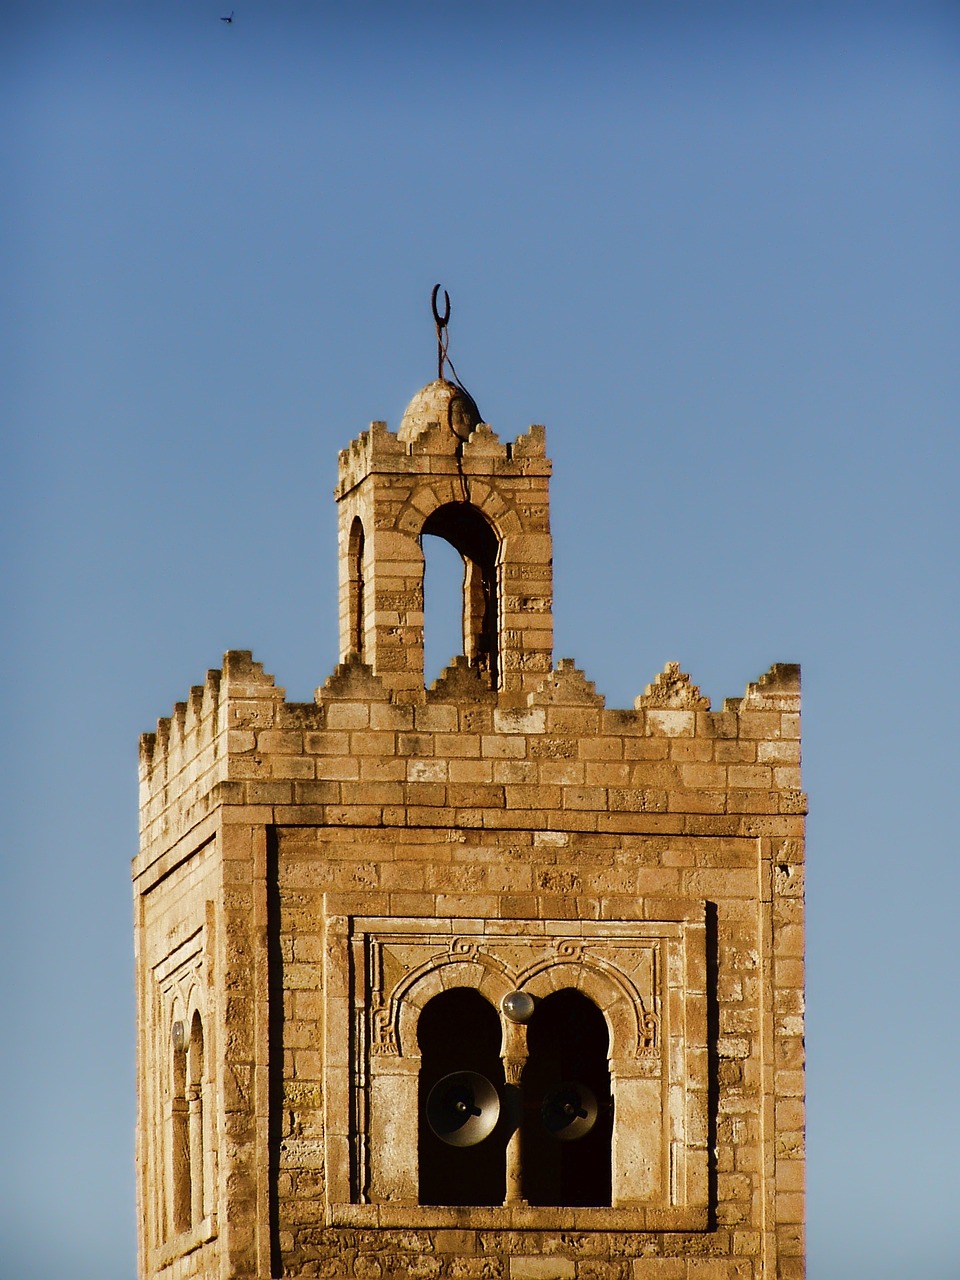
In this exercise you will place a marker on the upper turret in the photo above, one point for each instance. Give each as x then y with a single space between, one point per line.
446 473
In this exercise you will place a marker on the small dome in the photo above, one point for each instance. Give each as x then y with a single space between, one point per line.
440 401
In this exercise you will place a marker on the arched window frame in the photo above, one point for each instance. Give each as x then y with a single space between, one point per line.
646 977
471 533
485 974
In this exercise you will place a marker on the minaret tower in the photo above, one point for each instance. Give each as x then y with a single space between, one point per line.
480 981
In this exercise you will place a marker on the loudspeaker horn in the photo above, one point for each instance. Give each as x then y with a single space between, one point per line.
463 1108
569 1111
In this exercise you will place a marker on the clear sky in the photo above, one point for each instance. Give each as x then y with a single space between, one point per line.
713 247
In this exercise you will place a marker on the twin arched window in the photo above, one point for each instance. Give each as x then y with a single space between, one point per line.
554 1125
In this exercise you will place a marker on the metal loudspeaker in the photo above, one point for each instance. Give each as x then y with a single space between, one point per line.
463 1108
569 1111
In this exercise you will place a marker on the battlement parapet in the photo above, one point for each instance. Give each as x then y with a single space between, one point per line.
241 698
186 757
468 756
438 450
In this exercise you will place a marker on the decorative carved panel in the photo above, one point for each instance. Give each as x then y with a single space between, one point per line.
646 977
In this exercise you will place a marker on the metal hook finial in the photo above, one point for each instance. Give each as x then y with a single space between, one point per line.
441 322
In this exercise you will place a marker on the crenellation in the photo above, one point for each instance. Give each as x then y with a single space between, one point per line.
162 738
672 689
460 683
566 686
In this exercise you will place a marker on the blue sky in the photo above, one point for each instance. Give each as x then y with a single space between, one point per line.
712 247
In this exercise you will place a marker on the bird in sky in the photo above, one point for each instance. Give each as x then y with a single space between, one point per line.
230 19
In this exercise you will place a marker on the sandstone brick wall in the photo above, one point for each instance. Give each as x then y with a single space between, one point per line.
311 877
465 807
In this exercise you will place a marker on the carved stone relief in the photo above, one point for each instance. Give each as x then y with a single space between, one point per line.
645 977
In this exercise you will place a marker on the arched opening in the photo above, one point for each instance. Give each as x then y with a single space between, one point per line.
459 1031
195 1118
442 607
567 1042
180 1137
467 530
355 551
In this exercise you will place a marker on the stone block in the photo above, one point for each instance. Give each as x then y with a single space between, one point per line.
294 767
542 1268
348 715
670 724
692 750
471 771
607 773
494 745
383 769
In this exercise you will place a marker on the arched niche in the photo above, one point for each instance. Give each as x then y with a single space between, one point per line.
636 1066
395 1064
179 1166
196 1118
567 1058
459 1031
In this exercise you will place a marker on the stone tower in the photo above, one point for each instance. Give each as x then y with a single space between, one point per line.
480 980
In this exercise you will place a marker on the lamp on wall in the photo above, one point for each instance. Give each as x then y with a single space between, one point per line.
518 1006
